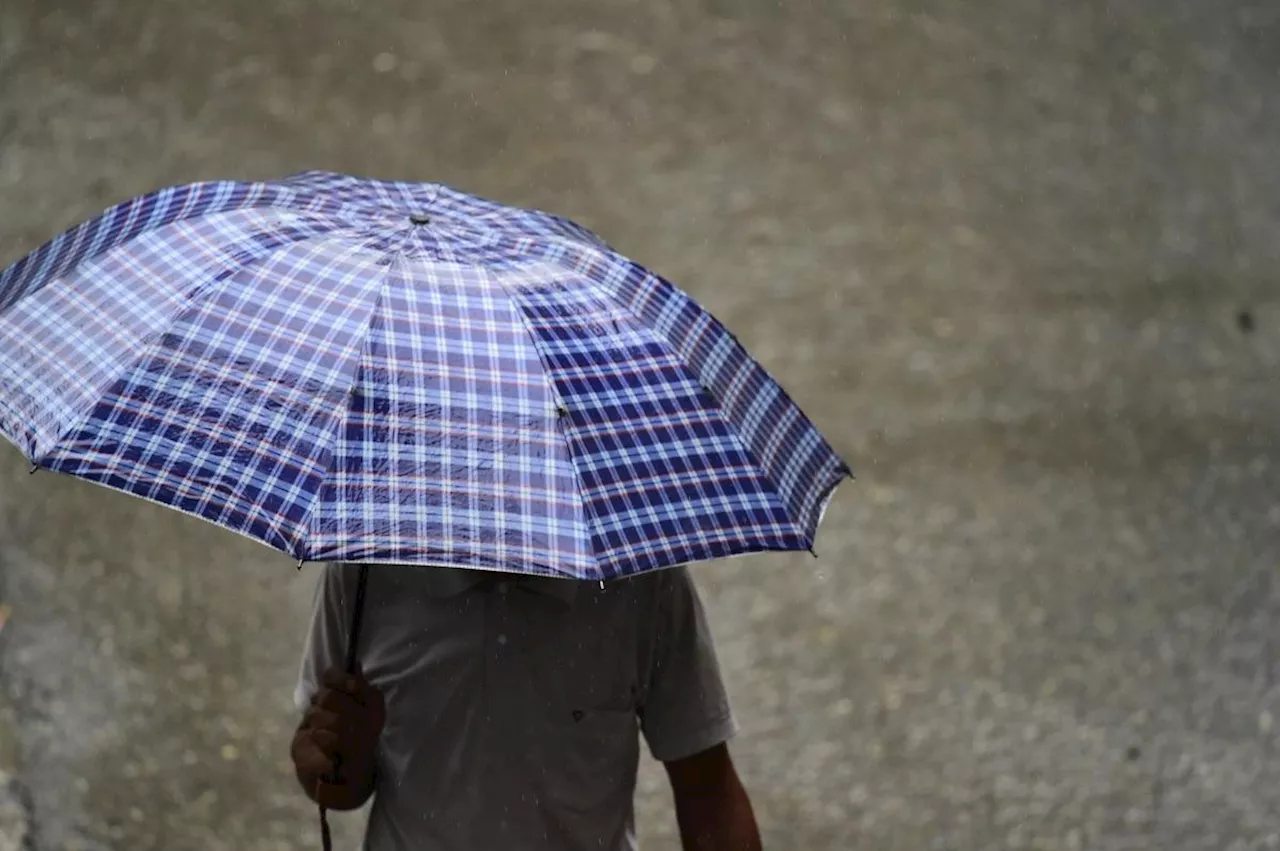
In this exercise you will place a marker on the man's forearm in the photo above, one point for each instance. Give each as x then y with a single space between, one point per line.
718 819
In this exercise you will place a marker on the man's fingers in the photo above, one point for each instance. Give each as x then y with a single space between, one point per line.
324 719
335 678
339 680
311 759
326 742
351 723
318 717
342 731
338 702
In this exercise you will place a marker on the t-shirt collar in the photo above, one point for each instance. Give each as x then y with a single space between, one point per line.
452 581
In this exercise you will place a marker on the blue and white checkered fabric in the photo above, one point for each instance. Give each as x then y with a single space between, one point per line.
359 370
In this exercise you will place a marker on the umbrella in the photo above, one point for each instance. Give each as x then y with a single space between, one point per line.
383 372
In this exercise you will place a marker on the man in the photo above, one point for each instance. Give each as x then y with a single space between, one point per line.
503 713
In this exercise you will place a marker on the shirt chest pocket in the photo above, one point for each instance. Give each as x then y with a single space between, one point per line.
583 673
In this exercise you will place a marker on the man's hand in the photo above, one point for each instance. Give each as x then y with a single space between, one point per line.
333 750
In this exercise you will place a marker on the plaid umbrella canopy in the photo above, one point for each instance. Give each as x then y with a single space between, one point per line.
383 372
359 370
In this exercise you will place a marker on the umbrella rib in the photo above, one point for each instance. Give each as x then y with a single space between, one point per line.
304 523
561 411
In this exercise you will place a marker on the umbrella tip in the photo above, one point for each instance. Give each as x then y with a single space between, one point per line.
813 552
301 561
33 469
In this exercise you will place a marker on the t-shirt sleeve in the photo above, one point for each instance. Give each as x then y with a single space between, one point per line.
325 645
685 707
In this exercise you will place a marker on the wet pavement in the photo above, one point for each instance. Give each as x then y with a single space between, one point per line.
1001 257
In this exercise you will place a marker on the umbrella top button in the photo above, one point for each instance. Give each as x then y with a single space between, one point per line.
420 219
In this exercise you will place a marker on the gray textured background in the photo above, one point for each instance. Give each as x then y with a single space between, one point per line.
998 255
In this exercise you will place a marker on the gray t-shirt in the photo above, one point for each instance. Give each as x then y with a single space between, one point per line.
515 704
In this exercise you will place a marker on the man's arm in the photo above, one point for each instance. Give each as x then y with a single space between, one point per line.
712 807
687 720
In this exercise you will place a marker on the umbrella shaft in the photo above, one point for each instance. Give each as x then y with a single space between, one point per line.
357 616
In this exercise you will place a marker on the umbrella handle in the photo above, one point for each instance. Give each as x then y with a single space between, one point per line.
353 642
